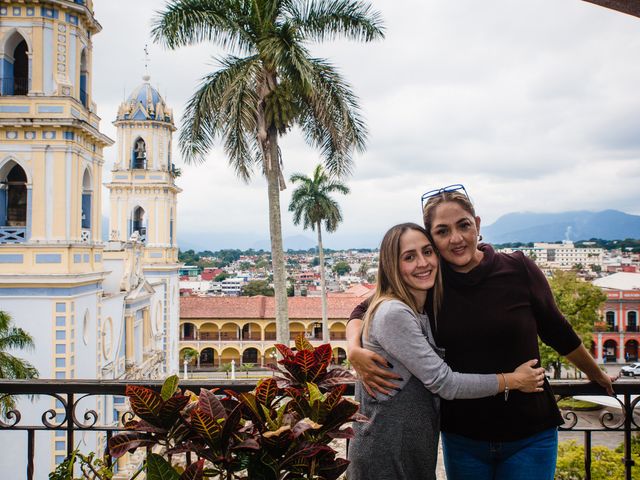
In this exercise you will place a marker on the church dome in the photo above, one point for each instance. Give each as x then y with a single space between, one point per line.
145 103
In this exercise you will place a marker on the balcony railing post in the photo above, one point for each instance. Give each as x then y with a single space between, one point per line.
31 440
70 425
587 455
628 414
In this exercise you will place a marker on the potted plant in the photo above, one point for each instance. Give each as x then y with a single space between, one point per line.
279 431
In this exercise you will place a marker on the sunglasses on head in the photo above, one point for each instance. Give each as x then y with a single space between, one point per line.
456 187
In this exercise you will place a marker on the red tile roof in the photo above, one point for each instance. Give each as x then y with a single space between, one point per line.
264 307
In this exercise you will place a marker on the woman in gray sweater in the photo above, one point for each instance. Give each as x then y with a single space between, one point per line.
400 439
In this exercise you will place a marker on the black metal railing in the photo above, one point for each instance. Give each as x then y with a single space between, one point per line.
14 86
70 393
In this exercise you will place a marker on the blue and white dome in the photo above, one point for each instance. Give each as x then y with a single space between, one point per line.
145 103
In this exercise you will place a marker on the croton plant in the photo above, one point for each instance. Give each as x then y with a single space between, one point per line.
279 431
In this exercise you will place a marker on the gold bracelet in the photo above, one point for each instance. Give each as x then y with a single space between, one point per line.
506 387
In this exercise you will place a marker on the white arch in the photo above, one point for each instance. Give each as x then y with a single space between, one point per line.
7 163
87 180
11 40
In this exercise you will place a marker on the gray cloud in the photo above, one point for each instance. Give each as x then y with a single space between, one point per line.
531 104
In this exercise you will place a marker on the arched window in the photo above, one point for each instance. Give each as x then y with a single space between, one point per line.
611 320
139 154
632 321
86 200
16 197
138 224
84 74
15 66
13 204
610 351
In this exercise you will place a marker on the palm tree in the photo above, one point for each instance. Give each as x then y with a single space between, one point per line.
269 84
12 367
312 204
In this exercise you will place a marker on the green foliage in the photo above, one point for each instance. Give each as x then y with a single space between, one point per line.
311 202
226 368
12 367
571 403
281 430
89 466
246 367
341 268
579 302
257 287
189 354
606 464
220 277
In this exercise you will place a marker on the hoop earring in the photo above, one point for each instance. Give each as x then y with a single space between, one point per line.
479 238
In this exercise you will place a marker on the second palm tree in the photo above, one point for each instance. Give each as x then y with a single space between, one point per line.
311 204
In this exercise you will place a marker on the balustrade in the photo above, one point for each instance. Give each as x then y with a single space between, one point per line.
69 394
13 234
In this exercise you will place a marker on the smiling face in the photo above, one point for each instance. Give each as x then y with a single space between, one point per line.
455 233
418 264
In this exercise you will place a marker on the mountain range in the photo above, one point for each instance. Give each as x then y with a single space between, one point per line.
550 227
513 227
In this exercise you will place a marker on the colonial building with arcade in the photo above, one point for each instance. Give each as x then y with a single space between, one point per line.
97 309
617 336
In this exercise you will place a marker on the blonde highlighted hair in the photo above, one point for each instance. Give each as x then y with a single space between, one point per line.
390 285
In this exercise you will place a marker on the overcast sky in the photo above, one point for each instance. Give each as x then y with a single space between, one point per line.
533 104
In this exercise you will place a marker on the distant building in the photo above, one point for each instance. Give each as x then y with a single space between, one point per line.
617 337
243 329
95 310
562 256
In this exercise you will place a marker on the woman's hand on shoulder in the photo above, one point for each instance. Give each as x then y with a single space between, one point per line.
373 371
527 377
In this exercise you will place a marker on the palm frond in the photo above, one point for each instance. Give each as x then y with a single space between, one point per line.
311 202
332 121
187 22
16 368
320 20
224 105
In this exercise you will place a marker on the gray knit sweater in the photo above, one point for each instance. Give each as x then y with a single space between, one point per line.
406 341
399 442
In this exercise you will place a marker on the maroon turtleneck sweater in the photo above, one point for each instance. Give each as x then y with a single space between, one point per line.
489 322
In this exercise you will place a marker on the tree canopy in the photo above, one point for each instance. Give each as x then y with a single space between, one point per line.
579 302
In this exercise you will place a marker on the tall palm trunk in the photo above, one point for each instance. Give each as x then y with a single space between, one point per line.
277 256
268 138
323 288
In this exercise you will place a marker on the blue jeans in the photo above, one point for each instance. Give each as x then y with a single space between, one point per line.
532 458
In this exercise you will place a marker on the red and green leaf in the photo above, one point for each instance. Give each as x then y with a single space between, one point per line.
170 411
323 354
144 402
169 387
302 343
159 469
209 403
285 351
127 441
331 470
194 471
305 361
205 426
334 377
334 396
266 391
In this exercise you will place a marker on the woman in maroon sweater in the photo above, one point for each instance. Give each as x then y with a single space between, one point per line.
494 307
